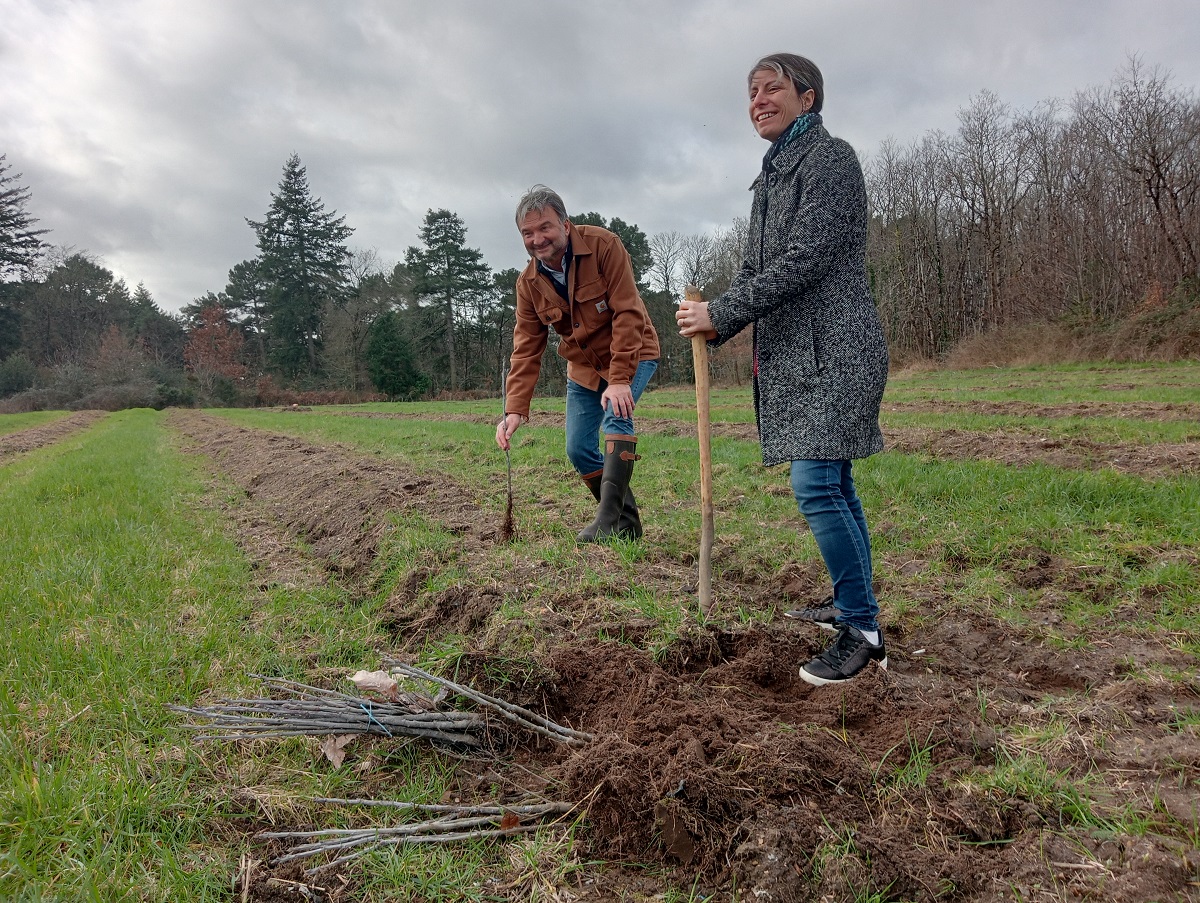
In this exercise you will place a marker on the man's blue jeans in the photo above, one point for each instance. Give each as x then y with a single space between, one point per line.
586 419
824 492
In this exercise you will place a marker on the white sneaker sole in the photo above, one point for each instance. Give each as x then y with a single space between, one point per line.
825 681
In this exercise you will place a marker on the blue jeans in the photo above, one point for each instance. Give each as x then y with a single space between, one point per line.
586 419
824 492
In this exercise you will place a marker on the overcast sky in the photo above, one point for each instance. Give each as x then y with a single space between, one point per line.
148 130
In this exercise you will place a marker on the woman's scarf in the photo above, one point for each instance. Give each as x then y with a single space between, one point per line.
802 124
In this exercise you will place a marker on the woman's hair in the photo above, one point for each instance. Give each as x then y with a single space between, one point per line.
539 197
799 70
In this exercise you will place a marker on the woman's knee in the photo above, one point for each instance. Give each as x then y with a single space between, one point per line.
813 480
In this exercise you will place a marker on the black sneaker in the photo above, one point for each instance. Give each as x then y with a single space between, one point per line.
845 657
823 615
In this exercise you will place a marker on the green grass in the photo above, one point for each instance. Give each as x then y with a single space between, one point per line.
1090 429
122 593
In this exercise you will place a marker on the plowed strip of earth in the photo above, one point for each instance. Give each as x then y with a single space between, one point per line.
332 498
1126 410
714 760
35 437
1153 460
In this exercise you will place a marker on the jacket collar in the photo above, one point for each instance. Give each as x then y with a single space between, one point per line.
579 241
793 152
579 246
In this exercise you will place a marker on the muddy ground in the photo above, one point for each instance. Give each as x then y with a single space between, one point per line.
715 762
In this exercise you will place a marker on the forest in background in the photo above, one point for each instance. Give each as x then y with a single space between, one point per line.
1070 231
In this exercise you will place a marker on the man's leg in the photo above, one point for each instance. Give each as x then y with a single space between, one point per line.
583 428
618 513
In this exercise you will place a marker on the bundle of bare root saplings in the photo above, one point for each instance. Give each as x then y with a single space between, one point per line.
300 710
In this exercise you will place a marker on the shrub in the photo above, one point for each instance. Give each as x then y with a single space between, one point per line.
133 394
35 400
17 374
168 396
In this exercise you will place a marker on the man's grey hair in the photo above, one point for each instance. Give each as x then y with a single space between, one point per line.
537 198
799 70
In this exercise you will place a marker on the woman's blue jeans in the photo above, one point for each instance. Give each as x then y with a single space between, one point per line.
824 492
586 419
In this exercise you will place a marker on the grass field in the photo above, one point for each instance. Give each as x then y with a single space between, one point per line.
1037 737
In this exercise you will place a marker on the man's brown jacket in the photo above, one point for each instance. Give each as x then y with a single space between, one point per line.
605 330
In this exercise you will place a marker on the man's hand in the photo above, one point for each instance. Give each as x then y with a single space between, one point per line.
505 429
693 319
620 398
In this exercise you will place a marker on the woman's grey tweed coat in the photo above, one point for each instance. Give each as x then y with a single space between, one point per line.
822 356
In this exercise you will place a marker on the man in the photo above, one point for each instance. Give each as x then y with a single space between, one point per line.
580 283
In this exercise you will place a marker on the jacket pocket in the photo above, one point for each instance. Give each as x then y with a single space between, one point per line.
591 301
590 291
789 350
550 314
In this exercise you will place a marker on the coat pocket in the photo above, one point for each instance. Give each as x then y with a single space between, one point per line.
789 353
591 301
590 291
550 314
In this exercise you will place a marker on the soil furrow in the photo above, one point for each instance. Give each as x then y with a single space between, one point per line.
38 436
334 499
1146 460
1126 410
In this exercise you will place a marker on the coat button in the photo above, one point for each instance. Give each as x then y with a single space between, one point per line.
576 325
584 346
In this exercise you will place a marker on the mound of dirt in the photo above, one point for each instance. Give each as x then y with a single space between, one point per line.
35 437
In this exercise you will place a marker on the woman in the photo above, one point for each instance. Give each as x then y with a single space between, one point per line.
820 357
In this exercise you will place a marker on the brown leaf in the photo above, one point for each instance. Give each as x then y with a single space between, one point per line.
377 682
334 748
509 821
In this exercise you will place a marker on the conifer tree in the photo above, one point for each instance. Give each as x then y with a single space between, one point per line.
634 239
303 255
448 276
20 243
390 361
160 335
245 297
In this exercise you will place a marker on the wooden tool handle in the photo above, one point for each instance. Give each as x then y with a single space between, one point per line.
704 435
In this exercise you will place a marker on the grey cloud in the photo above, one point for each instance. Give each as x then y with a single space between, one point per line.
148 129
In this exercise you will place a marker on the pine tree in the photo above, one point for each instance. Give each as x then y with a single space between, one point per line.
303 257
20 244
160 335
245 297
449 276
390 361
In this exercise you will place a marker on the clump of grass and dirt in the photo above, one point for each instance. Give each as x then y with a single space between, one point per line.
1036 736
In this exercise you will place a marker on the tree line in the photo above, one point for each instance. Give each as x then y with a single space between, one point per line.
1085 212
